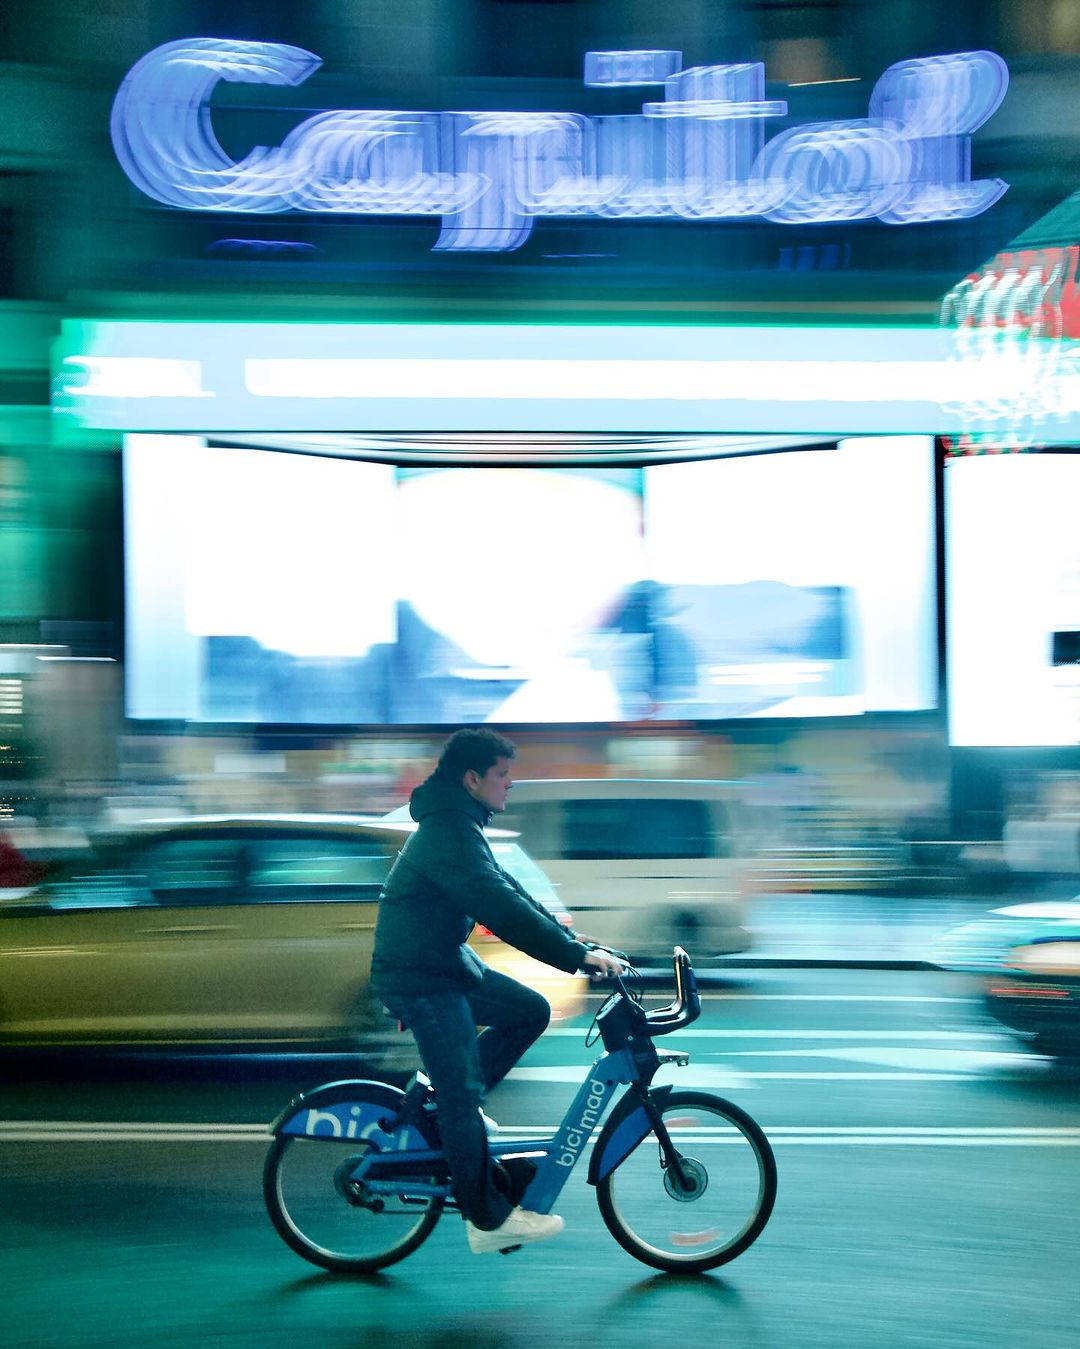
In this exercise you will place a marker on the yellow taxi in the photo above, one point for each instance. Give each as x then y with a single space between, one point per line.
230 931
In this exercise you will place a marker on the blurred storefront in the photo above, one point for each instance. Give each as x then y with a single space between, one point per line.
1018 316
1014 598
126 315
833 802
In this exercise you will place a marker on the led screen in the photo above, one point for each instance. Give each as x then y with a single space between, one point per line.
1013 599
293 588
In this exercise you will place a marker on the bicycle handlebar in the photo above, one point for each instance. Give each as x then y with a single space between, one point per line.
622 1018
686 1007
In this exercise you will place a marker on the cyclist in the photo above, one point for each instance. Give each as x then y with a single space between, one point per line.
444 880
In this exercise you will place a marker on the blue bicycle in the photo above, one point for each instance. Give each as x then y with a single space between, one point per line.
356 1180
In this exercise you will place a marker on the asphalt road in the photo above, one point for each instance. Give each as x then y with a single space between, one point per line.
929 1196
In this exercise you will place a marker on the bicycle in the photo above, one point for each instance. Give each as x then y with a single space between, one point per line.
355 1178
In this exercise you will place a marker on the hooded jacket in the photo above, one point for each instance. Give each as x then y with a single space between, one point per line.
446 879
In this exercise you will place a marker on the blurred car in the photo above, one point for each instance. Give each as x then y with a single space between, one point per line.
225 931
641 863
1026 958
29 851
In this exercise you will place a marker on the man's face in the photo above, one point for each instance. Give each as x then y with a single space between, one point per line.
490 788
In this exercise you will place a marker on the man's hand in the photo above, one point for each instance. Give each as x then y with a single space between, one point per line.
603 965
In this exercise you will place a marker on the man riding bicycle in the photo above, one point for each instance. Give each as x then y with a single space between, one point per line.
444 880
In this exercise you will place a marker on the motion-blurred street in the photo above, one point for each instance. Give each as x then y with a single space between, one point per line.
929 1193
687 391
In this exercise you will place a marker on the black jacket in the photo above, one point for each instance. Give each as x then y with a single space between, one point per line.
445 879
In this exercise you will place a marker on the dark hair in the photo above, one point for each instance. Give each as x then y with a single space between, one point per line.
476 748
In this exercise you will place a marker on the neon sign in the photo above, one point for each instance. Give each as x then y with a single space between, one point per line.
699 154
1018 318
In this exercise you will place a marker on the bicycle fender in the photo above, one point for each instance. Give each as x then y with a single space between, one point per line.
622 1133
346 1110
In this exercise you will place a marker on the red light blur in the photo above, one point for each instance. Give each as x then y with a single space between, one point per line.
1022 991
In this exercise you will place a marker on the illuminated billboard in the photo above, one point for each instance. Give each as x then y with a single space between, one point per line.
824 381
1013 599
276 587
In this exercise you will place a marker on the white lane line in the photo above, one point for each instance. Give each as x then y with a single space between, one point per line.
568 1032
930 1130
150 1125
831 997
149 1131
81 1131
86 1136
914 1057
797 1133
535 1131
901 1141
735 1081
897 1065
47 1131
808 997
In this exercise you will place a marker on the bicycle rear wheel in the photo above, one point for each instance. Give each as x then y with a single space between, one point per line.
724 1202
331 1220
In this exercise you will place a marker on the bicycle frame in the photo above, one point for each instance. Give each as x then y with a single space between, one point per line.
406 1166
382 1172
402 1151
404 1154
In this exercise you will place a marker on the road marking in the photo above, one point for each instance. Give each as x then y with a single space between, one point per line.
136 1124
862 1135
575 1032
846 1135
898 1064
700 1075
730 1079
126 1131
808 997
899 1056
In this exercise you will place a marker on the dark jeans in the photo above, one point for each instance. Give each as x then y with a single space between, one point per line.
463 1066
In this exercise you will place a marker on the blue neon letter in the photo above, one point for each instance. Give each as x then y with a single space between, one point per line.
161 129
935 104
698 154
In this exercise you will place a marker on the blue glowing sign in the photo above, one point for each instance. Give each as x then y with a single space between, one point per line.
699 154
576 379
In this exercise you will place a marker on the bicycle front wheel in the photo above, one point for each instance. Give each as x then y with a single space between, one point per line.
331 1220
715 1209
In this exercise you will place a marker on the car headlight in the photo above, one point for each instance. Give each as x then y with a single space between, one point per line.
566 993
1047 957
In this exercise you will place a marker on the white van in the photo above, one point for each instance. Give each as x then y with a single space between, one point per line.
640 863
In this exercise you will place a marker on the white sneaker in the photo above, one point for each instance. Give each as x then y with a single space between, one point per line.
521 1226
